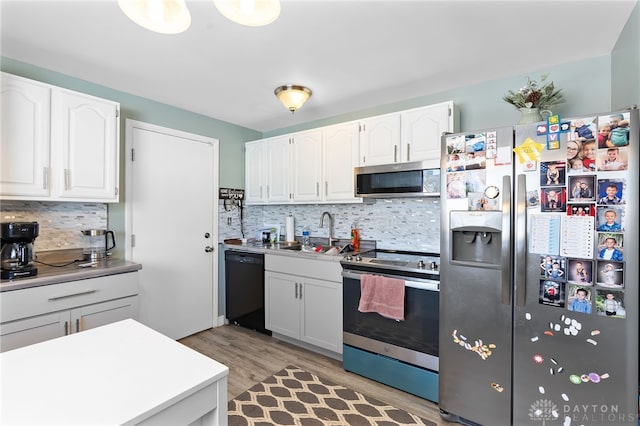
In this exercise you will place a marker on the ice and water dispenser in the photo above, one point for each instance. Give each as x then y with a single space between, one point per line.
476 238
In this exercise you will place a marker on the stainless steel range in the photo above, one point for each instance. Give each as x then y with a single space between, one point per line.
402 354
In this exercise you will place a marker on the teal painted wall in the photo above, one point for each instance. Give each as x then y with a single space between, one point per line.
625 64
586 85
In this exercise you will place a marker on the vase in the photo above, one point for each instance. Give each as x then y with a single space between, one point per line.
529 115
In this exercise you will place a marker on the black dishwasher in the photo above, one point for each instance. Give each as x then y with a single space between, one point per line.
244 289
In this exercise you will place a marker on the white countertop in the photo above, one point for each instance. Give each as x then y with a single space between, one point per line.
121 373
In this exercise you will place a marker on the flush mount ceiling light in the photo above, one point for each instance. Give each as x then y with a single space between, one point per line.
293 96
161 16
253 13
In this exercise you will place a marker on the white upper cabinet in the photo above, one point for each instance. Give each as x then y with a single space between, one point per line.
254 173
422 129
380 140
306 166
84 134
410 135
316 166
24 147
57 144
277 169
340 147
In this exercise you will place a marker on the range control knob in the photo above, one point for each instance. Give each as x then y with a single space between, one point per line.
421 264
433 265
358 258
348 257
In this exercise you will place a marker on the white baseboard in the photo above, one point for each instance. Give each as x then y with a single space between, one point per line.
221 321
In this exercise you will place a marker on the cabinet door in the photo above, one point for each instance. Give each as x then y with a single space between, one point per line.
254 176
306 162
339 156
282 304
24 147
16 334
322 314
422 130
85 136
277 168
92 316
380 140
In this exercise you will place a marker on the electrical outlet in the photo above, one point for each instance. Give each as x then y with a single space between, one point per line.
228 221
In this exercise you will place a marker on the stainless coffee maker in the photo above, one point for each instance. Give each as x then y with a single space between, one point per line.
16 254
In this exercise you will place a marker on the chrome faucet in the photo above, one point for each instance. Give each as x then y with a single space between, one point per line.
331 239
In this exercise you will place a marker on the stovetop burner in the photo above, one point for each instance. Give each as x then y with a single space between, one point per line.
394 260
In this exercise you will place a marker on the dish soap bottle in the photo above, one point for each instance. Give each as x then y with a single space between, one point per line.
355 237
306 237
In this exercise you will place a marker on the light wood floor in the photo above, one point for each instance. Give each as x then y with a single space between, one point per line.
252 357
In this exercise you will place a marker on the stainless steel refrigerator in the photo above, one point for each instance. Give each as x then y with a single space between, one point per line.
539 273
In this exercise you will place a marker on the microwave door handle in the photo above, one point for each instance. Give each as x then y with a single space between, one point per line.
506 240
520 265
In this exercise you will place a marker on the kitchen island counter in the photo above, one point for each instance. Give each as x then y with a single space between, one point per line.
122 373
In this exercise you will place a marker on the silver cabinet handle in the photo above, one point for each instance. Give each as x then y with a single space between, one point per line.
66 179
77 325
66 328
300 291
326 187
296 284
208 249
395 153
408 152
45 177
54 298
317 189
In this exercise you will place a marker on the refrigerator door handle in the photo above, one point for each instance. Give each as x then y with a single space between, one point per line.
520 265
506 240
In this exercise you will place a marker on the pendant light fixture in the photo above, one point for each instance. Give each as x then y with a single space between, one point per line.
293 96
253 13
161 16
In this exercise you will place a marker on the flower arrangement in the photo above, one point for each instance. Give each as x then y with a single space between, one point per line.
535 94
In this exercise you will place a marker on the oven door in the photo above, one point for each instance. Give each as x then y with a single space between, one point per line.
414 340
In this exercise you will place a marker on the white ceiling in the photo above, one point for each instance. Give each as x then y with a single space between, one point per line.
352 54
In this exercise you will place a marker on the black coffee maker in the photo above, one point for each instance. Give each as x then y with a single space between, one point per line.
16 254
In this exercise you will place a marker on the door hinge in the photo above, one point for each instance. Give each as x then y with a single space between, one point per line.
450 112
133 154
117 112
133 240
116 191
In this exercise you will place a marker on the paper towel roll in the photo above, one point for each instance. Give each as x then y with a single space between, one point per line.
290 228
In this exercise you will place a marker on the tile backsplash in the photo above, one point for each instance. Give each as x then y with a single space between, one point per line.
60 223
397 224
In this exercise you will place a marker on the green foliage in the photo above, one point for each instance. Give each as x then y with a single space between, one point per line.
542 95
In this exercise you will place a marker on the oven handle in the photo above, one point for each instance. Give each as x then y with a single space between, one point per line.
431 285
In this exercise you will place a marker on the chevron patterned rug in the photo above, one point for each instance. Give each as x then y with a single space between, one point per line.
295 397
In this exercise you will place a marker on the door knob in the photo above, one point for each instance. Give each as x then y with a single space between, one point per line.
208 249
207 235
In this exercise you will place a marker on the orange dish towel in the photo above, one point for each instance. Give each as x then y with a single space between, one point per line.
382 295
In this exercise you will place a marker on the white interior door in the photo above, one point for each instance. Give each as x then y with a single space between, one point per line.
172 226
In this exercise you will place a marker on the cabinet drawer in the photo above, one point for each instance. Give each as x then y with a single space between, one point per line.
33 301
320 269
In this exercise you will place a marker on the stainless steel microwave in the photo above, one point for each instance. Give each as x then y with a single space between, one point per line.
416 179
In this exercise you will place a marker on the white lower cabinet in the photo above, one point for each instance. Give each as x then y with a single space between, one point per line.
302 307
88 305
